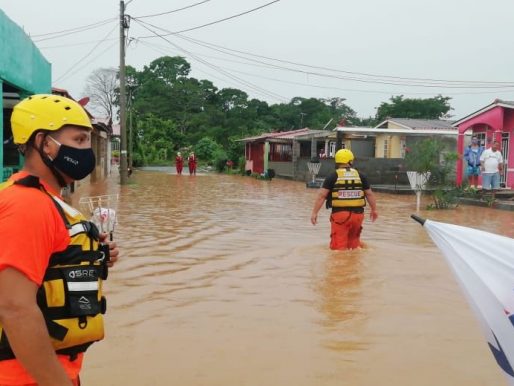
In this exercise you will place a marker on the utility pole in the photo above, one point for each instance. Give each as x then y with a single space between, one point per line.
301 119
123 99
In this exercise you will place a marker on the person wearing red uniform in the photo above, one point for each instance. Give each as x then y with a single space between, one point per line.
347 191
52 260
191 162
179 163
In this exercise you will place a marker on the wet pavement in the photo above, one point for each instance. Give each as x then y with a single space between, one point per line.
224 281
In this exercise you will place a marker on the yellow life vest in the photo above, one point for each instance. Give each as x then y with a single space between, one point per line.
347 191
70 297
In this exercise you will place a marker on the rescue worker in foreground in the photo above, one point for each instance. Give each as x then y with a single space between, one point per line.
52 261
346 191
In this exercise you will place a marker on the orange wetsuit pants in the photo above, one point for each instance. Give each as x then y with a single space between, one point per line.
345 230
76 382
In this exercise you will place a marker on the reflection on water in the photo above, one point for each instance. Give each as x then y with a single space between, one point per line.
224 281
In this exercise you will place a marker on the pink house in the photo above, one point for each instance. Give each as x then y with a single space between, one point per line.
494 122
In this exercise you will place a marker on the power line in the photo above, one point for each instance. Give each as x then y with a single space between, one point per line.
101 22
163 51
75 44
403 82
226 73
85 56
222 71
407 82
342 71
88 62
213 22
173 11
73 31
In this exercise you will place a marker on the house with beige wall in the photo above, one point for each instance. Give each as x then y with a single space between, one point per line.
401 133
393 137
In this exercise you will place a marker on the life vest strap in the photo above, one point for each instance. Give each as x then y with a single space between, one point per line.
33 182
55 330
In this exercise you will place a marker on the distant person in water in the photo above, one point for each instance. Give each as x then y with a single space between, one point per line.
191 162
179 163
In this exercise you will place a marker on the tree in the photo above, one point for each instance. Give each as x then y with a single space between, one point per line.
101 87
206 148
428 108
168 68
173 110
154 137
231 98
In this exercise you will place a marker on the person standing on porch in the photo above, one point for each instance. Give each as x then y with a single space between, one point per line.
346 191
472 156
491 162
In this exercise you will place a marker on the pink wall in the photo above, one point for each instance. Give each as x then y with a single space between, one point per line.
508 126
493 118
493 122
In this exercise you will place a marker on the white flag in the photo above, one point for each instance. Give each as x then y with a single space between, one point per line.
483 264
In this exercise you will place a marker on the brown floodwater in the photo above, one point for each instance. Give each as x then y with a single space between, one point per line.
223 281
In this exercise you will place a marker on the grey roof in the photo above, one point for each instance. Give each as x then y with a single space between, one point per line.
505 102
279 134
420 123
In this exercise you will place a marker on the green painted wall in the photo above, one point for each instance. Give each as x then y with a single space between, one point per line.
21 63
22 66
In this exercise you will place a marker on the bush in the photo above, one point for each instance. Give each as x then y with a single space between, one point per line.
445 198
430 155
220 160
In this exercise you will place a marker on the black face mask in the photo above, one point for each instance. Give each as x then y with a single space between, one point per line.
75 163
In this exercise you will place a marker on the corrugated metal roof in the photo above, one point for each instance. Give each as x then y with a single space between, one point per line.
280 134
291 134
381 130
417 124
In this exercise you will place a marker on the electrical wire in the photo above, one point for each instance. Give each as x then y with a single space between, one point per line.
71 68
75 31
163 51
400 82
85 64
75 44
173 11
101 22
344 71
220 70
213 22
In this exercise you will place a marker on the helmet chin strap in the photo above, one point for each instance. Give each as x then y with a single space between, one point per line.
50 165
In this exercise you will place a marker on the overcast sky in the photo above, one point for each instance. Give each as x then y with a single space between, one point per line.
341 40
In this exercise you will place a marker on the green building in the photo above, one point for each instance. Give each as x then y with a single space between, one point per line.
23 71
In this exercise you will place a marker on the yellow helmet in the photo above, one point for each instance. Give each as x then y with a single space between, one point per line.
45 112
344 156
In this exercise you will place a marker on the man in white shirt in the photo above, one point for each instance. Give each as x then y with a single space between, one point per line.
491 165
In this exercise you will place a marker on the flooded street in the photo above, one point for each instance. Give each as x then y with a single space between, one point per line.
224 282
